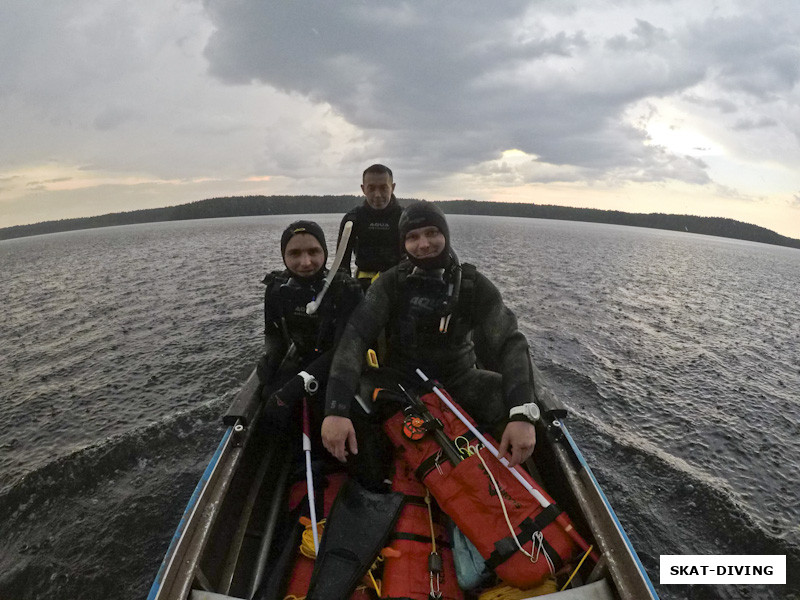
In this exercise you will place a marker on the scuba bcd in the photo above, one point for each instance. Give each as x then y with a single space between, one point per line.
437 290
433 297
286 298
296 292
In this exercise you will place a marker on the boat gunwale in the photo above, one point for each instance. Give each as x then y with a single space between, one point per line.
563 447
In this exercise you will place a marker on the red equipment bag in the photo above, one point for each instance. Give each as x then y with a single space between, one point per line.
466 493
408 575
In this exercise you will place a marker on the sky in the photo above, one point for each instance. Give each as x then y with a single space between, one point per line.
685 106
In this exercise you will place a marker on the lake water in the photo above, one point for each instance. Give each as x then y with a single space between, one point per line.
677 354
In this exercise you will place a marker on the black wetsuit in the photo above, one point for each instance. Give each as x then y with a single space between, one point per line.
408 305
296 341
374 238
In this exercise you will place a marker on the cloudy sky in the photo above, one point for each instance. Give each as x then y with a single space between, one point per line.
685 106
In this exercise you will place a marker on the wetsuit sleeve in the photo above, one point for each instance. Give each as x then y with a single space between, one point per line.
361 331
503 347
351 297
274 342
350 216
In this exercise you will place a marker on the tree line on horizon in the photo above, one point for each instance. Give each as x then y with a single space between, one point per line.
242 206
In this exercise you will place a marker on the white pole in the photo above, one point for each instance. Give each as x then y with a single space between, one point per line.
312 509
312 306
534 492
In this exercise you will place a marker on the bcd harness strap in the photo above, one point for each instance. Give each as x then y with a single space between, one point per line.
468 272
465 294
415 537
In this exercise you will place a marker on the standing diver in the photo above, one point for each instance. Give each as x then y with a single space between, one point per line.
375 221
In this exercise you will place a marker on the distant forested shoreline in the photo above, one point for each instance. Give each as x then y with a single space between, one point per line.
242 206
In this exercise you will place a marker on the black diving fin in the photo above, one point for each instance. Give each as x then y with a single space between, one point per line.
358 526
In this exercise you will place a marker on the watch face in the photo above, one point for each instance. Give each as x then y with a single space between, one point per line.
532 411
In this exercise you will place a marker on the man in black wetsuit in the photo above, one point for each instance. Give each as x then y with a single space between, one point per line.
294 340
373 240
432 308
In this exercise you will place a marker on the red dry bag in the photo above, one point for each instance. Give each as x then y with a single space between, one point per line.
408 576
467 494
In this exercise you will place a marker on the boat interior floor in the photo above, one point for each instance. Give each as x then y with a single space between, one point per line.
599 590
198 595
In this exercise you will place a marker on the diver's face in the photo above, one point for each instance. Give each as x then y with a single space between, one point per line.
425 242
378 188
304 255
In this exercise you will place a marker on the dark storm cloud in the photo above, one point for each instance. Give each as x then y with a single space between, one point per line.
757 53
645 35
456 83
246 96
450 85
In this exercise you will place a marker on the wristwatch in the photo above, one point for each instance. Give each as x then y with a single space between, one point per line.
525 412
310 383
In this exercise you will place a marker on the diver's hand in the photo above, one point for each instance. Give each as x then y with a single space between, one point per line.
338 435
519 437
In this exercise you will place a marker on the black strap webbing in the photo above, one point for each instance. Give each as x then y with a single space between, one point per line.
505 548
415 537
416 500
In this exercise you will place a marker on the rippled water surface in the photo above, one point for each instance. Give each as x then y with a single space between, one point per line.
678 355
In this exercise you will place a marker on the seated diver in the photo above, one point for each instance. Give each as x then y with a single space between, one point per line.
430 307
295 341
299 346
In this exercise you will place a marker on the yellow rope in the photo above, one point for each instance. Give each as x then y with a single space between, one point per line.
466 450
376 583
307 550
293 597
506 592
430 519
588 551
307 542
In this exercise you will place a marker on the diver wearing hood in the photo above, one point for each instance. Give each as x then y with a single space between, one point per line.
373 241
294 340
432 308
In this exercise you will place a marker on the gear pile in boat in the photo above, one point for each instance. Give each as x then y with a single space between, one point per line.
456 518
394 529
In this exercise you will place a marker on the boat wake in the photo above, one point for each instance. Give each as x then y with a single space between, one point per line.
121 497
665 504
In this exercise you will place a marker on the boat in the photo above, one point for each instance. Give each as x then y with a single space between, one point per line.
221 547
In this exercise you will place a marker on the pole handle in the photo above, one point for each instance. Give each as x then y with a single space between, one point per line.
312 306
